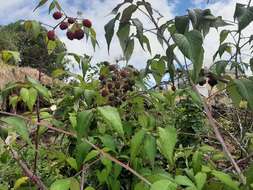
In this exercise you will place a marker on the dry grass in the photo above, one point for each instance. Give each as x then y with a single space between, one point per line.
9 73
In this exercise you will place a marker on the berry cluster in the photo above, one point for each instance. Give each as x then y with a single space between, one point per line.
116 84
74 26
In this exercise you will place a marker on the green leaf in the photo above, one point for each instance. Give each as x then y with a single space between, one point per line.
158 69
19 126
220 66
166 142
245 18
129 49
109 31
41 89
182 24
136 142
245 89
150 148
251 64
51 7
41 3
84 120
61 184
223 35
20 182
51 45
92 154
72 162
190 45
163 185
112 117
74 184
184 180
138 24
197 161
89 188
108 142
200 179
127 13
29 97
123 35
7 55
226 179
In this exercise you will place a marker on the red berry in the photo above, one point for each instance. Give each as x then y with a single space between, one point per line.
64 25
70 35
79 34
71 20
87 23
57 15
51 35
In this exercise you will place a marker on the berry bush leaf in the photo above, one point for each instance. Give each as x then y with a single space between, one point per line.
19 126
112 117
166 142
163 185
226 179
136 142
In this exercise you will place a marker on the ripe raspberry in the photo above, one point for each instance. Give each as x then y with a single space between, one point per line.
71 20
70 35
79 34
51 35
87 23
64 25
57 15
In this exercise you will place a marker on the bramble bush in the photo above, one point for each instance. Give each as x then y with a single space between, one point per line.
108 129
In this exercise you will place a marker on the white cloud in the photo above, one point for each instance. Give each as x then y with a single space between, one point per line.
97 11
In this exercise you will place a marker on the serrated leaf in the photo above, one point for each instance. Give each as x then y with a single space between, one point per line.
123 35
19 126
200 179
226 179
112 117
136 142
72 162
84 120
39 87
92 154
184 181
182 24
61 184
163 185
150 148
109 31
108 142
127 13
41 3
166 142
197 161
129 49
223 35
